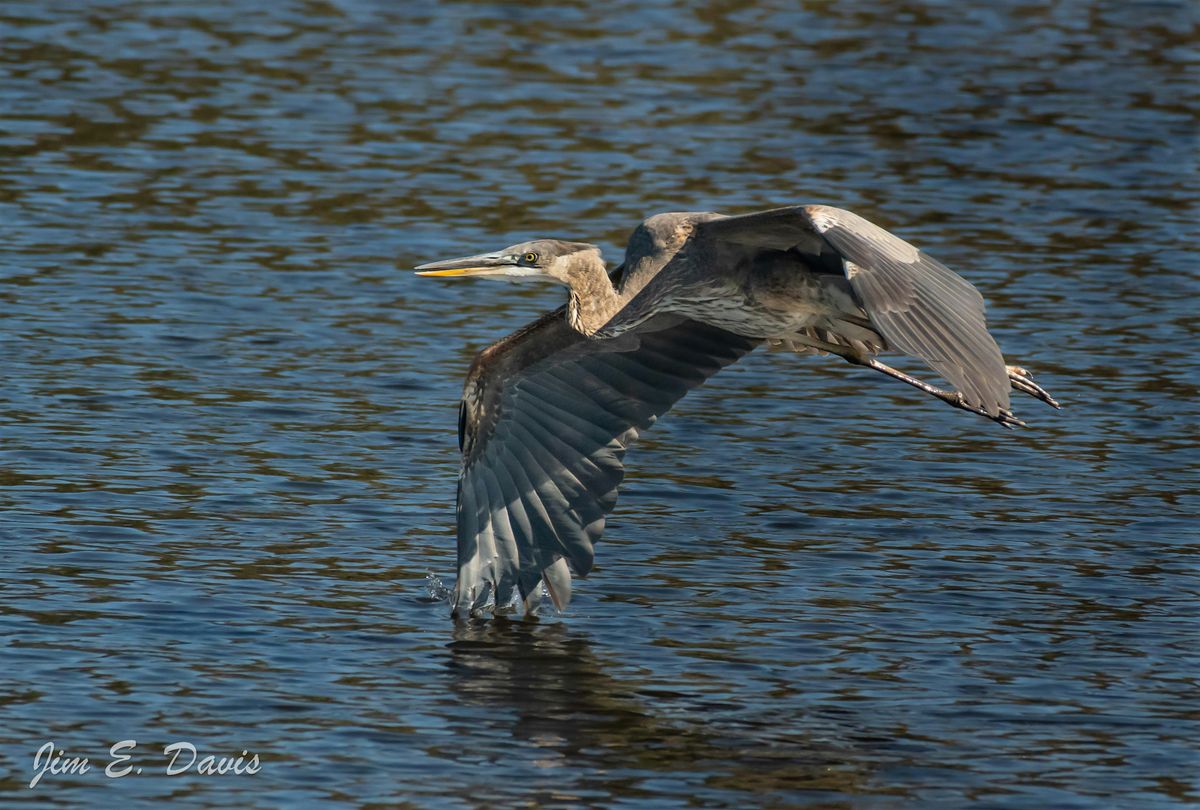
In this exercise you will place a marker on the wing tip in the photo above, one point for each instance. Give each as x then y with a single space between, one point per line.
557 579
473 596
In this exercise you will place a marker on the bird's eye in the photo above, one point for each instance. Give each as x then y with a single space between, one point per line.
529 258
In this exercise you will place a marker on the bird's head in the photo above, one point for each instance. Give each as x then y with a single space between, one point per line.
539 260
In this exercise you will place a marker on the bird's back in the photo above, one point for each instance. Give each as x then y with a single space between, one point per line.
654 243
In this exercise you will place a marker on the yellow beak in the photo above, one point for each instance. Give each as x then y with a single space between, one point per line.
458 271
483 264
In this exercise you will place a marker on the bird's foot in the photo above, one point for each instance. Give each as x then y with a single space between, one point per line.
1022 381
1003 417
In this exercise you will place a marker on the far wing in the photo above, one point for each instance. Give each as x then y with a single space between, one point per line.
920 306
546 417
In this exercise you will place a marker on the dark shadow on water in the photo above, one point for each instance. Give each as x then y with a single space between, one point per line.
554 691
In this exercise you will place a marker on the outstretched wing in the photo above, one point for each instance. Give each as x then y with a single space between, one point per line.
920 306
545 420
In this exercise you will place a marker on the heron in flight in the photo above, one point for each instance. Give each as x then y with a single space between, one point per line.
548 412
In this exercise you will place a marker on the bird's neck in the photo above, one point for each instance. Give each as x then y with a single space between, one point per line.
593 300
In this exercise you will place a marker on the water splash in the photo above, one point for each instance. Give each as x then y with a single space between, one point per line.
435 590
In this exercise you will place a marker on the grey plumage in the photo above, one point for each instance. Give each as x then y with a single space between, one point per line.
549 411
546 427
917 304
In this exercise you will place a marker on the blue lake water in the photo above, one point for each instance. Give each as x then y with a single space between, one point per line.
227 424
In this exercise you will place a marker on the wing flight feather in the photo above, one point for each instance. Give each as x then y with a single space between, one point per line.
919 306
546 417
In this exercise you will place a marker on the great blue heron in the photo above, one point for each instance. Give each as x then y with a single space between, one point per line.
548 411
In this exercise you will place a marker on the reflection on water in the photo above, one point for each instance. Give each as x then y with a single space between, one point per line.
227 451
545 688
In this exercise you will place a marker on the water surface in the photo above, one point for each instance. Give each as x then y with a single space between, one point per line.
227 450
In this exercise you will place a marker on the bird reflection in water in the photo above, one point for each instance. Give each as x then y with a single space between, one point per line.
545 687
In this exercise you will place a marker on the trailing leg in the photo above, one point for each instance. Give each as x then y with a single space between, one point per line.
1004 417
